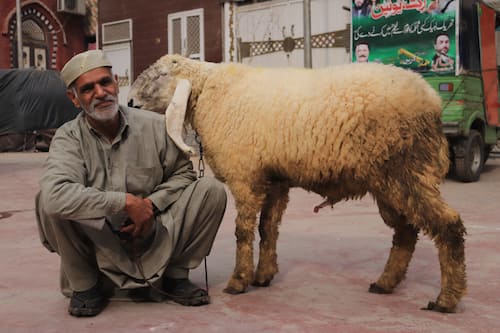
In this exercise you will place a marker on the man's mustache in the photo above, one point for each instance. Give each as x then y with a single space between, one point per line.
109 98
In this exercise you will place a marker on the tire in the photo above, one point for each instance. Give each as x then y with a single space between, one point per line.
487 151
469 157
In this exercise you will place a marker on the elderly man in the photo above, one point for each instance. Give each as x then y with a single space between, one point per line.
119 202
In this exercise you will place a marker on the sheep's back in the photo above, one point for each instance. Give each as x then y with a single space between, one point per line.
306 124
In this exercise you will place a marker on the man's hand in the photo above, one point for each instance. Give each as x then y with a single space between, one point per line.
140 211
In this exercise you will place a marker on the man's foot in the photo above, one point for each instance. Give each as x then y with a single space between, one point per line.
87 303
185 292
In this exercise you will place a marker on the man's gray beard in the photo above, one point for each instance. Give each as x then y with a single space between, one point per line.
106 114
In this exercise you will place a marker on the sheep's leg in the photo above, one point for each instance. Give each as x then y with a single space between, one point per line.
443 224
270 218
403 246
247 204
243 270
427 211
447 230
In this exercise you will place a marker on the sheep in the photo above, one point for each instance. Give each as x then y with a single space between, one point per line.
341 132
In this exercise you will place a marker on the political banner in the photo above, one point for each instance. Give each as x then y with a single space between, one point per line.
415 34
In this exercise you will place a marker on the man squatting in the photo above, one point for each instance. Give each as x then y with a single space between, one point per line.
119 202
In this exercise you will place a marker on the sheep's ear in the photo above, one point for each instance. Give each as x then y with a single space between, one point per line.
175 113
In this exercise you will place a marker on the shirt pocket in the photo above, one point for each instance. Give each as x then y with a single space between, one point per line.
141 181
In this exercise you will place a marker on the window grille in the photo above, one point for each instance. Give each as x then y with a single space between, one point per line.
118 31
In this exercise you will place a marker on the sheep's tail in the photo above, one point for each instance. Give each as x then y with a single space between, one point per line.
175 114
444 154
443 145
436 145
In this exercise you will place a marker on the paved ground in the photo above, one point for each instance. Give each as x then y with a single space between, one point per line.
327 260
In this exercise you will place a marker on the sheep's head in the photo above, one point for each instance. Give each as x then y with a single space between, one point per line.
154 87
167 84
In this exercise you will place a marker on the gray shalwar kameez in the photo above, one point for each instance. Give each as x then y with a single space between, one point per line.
85 179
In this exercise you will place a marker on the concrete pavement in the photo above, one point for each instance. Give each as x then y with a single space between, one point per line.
326 260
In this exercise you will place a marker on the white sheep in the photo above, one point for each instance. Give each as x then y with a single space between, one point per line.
341 132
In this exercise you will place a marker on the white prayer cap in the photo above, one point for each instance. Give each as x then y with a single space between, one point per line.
82 63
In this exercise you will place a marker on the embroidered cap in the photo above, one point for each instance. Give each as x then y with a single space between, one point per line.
82 63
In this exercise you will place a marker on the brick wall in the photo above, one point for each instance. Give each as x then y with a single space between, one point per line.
64 32
149 22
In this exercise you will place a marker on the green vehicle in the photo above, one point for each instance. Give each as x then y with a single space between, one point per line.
452 43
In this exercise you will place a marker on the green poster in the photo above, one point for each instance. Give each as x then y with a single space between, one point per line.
414 34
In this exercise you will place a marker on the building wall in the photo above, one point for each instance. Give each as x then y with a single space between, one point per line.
64 35
261 28
149 26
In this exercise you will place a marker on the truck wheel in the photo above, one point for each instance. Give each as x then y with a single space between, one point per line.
487 151
469 164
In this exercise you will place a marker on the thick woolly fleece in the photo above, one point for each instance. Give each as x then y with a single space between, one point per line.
340 132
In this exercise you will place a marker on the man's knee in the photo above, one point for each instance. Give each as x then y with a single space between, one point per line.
214 190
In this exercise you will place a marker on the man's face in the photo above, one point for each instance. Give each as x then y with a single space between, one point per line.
358 3
96 92
362 52
442 45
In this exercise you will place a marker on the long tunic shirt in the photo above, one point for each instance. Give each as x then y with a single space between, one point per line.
85 178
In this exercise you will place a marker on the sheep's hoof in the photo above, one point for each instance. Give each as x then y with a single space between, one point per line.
265 283
433 306
232 291
235 286
376 289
